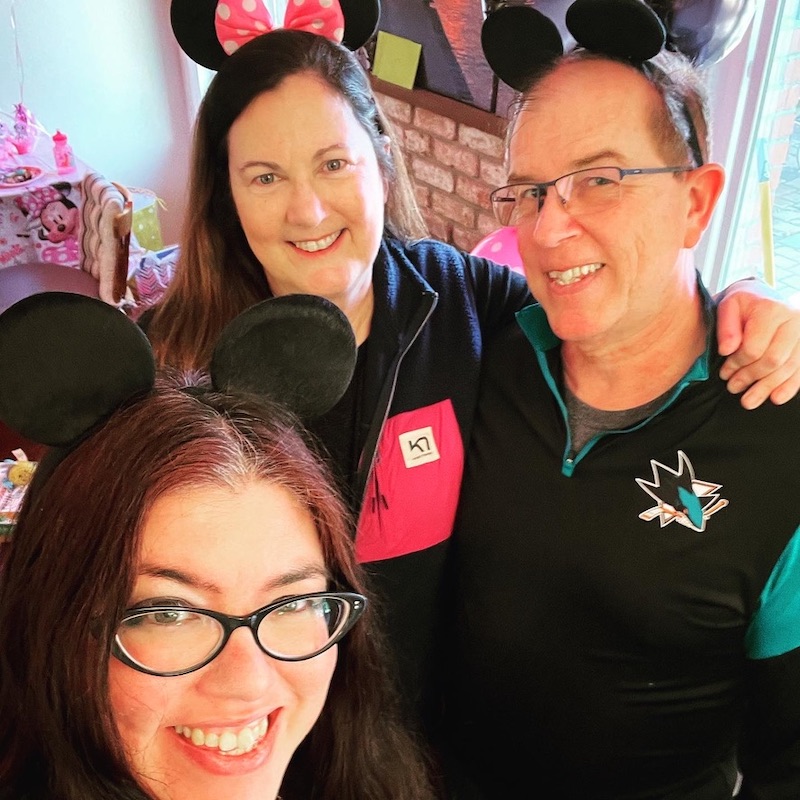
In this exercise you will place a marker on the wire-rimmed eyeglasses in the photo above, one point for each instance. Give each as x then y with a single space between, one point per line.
584 191
168 640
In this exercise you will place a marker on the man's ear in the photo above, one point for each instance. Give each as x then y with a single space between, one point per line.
705 187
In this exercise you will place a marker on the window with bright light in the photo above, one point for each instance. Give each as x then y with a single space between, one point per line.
756 229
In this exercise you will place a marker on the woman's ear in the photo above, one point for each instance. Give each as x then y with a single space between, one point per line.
705 187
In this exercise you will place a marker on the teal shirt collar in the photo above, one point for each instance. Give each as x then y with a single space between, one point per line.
538 332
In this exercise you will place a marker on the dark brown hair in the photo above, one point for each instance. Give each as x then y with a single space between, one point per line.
69 570
217 275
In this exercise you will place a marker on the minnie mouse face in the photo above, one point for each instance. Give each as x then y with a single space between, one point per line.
59 220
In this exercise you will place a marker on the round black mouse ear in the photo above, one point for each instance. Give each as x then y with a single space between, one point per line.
297 349
193 25
516 40
68 362
626 29
361 18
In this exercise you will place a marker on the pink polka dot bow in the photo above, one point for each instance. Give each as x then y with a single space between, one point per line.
239 21
32 203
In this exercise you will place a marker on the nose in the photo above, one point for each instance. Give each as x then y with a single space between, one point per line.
553 223
242 670
306 208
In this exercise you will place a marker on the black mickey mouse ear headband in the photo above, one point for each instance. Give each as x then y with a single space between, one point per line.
209 31
520 40
517 40
69 361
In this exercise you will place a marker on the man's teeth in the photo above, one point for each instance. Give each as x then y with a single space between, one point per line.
319 244
230 743
574 274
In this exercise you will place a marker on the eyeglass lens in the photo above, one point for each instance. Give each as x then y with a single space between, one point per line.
177 639
581 192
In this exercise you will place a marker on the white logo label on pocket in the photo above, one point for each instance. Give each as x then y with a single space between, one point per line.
419 447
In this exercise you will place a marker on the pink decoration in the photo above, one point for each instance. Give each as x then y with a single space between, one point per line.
500 246
33 203
67 253
239 21
24 129
62 153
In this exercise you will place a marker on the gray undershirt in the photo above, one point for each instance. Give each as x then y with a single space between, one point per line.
586 421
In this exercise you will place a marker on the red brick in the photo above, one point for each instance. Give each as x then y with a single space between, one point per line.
443 127
465 239
423 195
493 173
486 224
474 191
439 227
456 156
480 141
453 208
417 142
432 174
394 108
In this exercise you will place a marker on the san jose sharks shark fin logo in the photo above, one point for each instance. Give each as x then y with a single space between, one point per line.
680 496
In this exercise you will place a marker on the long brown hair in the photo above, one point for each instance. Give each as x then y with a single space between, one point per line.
68 575
217 275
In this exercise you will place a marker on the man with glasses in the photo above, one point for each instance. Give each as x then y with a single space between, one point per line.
627 547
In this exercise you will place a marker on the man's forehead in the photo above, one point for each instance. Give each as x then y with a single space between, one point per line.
581 112
589 82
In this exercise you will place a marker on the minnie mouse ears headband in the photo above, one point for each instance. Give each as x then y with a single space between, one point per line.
517 40
209 31
73 360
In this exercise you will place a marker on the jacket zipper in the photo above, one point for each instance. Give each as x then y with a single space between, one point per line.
373 441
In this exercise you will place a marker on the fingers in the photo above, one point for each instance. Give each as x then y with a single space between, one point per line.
773 374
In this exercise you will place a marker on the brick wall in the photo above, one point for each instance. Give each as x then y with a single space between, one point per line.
455 156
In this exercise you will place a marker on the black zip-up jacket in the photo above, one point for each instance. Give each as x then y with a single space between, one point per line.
435 308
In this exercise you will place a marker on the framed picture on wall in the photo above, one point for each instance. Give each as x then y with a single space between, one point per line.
452 62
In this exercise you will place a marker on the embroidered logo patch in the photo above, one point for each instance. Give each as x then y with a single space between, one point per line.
679 496
418 447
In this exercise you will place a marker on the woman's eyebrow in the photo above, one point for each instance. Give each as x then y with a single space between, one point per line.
300 573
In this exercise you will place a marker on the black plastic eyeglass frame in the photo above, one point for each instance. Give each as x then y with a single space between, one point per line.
542 188
357 604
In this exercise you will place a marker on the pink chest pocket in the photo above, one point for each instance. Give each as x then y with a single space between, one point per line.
412 495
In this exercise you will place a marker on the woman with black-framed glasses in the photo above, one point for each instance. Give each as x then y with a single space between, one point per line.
137 559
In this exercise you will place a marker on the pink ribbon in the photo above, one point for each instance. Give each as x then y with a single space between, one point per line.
239 21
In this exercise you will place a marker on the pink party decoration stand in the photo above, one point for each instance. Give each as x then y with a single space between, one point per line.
500 246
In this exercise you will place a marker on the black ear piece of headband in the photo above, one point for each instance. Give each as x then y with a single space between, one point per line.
200 25
69 361
517 40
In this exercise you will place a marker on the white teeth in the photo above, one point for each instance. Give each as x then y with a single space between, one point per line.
230 743
318 244
574 274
